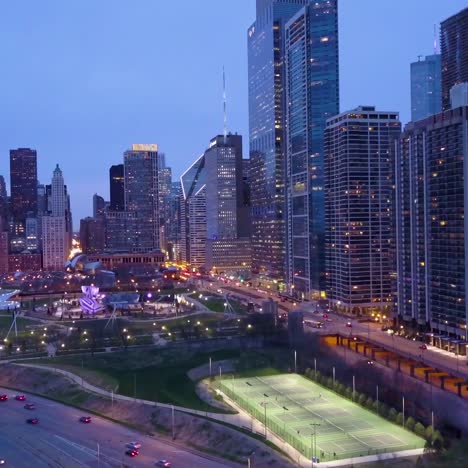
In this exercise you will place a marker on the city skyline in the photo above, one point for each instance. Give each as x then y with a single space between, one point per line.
87 103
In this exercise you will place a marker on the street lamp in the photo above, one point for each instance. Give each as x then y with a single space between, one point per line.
314 434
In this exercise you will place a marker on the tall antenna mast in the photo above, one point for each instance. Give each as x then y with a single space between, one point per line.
435 39
224 106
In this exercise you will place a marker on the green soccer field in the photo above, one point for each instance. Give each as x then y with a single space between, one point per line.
293 404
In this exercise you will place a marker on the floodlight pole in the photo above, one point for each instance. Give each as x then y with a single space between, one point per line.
403 411
354 386
377 389
315 367
314 453
295 361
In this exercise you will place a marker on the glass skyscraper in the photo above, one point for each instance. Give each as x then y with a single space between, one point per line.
426 87
454 51
312 93
266 121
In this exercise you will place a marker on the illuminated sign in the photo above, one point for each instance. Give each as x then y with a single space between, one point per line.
143 147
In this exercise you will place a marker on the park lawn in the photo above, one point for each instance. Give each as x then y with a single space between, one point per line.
296 408
155 375
21 323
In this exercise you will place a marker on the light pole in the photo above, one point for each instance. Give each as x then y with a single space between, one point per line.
314 453
98 455
295 361
333 376
210 366
354 386
315 368
172 418
264 404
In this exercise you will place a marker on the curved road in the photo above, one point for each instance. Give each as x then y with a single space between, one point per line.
60 440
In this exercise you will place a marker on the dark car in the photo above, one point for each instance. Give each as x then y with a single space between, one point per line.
30 406
164 463
85 419
32 421
423 347
132 453
3 397
20 397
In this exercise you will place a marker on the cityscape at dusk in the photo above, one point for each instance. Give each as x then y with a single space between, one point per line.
234 234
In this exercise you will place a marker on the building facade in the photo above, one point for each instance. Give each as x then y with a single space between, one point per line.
116 184
228 255
358 214
93 235
142 194
312 91
24 262
454 51
426 87
431 221
267 103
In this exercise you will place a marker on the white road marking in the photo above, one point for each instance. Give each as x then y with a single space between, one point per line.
79 462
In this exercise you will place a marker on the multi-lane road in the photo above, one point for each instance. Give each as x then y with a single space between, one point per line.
60 440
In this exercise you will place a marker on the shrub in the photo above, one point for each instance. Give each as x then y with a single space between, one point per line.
383 410
420 430
361 399
410 423
348 393
437 445
329 382
340 388
392 414
369 403
309 373
376 406
399 419
428 433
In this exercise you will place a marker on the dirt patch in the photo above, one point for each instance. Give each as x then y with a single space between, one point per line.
190 431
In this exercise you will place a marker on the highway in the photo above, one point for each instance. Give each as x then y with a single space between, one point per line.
60 440
433 356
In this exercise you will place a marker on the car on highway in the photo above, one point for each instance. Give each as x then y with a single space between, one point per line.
85 419
32 421
164 463
132 453
3 397
20 397
30 406
325 316
134 445
423 347
2 461
349 325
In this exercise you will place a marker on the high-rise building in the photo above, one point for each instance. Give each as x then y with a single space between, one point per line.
454 51
121 230
432 229
99 206
173 226
459 95
56 225
142 194
359 215
193 214
165 182
312 91
267 103
426 87
93 235
32 234
117 191
23 183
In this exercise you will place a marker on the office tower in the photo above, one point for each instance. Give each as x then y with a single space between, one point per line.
358 214
312 93
99 206
267 103
4 247
165 181
3 200
93 235
121 231
459 95
426 87
173 231
454 51
431 219
23 182
142 194
56 224
193 214
32 233
117 191
244 225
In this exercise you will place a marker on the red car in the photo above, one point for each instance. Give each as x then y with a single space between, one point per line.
85 419
32 421
3 397
423 347
349 324
20 397
325 315
132 453
30 406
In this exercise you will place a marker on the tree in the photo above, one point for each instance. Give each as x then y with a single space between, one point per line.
428 433
362 399
329 383
410 423
349 393
399 419
383 410
437 445
420 430
392 414
369 403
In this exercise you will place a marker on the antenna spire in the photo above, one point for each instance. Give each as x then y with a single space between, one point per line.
435 39
224 106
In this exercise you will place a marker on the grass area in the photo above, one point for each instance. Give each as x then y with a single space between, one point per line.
293 403
21 323
155 375
98 378
216 303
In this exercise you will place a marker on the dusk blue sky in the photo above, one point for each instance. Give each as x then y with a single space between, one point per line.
84 79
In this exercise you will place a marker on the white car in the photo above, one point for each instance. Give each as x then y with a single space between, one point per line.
134 445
